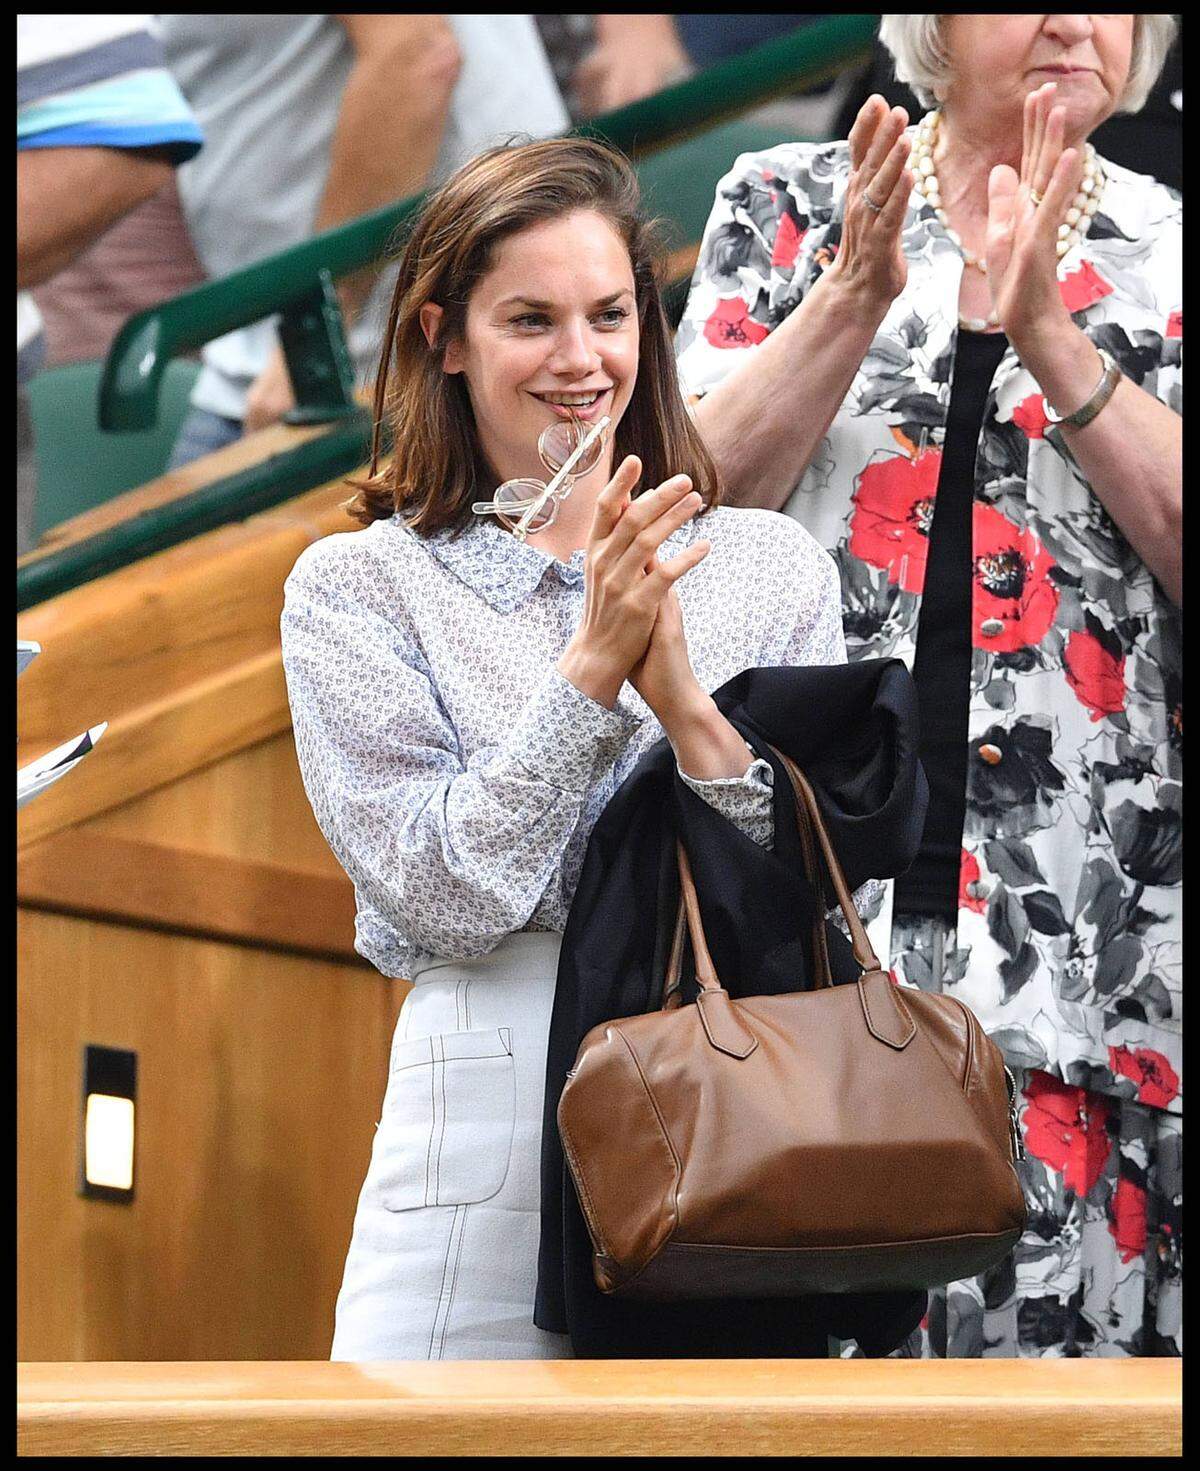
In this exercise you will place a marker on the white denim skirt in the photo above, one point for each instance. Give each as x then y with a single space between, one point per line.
443 1258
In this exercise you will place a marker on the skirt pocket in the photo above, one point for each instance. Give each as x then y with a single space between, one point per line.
447 1127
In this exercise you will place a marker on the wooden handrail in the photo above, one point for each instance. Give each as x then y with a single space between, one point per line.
1011 1407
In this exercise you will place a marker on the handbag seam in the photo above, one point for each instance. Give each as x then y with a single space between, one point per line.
854 1246
912 1026
581 1176
970 1063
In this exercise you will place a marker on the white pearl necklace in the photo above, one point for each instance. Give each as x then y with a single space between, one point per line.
1075 224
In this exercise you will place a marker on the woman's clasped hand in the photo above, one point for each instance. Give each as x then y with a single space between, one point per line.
629 619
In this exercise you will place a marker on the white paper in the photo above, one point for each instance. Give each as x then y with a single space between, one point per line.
54 765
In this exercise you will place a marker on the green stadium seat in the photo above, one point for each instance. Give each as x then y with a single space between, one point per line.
79 466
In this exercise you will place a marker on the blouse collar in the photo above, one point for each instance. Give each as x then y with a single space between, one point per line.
505 572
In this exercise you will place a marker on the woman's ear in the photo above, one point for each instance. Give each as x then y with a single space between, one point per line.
431 317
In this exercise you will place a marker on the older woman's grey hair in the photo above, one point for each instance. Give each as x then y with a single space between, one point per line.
921 62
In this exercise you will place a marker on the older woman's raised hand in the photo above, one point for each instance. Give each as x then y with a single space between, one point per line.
871 255
1022 232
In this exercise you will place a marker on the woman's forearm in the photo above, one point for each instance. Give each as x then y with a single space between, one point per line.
1130 454
763 424
706 746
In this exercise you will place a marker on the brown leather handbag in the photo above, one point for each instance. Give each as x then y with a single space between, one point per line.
850 1138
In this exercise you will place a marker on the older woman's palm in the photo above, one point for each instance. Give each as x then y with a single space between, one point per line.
1024 212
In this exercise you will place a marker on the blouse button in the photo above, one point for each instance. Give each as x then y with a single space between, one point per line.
990 627
991 754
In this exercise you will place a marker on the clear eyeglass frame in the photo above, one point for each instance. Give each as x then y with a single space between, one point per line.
513 499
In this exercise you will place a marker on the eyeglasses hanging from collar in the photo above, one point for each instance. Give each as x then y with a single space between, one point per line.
568 449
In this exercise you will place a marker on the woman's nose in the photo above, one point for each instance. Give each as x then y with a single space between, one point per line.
574 351
1070 28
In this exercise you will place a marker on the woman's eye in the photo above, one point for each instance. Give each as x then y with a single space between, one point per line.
614 316
530 319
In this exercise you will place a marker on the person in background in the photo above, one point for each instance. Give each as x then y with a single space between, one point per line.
602 62
100 126
954 354
314 120
1147 141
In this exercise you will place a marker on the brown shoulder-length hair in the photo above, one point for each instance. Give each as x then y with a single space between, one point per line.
437 467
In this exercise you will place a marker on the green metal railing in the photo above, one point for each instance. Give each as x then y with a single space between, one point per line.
298 284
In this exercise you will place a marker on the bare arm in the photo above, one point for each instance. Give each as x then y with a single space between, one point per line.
763 423
68 197
391 120
1131 453
635 55
389 128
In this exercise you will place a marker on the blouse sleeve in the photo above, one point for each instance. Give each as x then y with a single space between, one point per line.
456 855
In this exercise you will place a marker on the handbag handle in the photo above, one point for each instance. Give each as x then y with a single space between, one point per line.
688 923
863 953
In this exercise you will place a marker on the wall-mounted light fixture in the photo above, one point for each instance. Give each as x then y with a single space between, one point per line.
109 1109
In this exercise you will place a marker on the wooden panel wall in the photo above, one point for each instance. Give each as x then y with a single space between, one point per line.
260 1080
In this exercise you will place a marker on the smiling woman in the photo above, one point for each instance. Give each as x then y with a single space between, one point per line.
465 701
528 282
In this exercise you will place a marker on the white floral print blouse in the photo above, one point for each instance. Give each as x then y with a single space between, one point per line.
1068 936
455 773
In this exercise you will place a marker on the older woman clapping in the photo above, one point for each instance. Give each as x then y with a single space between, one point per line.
953 352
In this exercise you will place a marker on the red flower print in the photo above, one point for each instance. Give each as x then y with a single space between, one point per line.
1095 668
732 326
787 243
893 511
1065 1129
1157 1080
1082 288
1175 324
1128 1223
1012 584
968 873
1030 416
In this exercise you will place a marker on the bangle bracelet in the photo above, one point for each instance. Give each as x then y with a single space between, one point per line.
1104 390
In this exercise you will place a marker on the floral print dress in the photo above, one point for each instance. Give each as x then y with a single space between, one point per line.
1068 943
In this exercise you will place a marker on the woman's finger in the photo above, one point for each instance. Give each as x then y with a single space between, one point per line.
881 145
864 127
890 219
1051 151
642 512
1027 135
1045 100
643 547
1059 189
884 182
610 503
667 574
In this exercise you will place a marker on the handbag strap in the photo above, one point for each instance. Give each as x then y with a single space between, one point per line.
863 953
689 924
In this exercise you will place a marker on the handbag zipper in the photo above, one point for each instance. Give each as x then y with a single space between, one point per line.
1014 1128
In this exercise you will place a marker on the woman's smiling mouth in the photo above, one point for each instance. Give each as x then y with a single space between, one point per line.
582 405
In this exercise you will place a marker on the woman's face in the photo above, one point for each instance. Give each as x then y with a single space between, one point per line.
554 322
997 60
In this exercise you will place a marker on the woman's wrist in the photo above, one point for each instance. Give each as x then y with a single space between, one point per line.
706 746
1063 360
591 674
854 294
